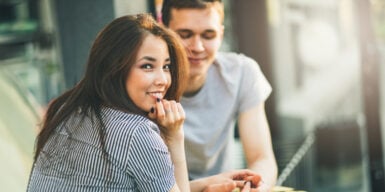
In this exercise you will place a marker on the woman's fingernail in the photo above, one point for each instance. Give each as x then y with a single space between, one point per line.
152 110
157 99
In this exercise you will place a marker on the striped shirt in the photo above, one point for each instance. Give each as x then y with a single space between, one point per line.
73 159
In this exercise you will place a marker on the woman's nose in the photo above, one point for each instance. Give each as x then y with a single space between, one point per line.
161 78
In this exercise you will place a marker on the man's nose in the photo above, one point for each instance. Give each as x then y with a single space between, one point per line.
196 44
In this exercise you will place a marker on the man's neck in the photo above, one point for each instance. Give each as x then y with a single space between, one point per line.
195 84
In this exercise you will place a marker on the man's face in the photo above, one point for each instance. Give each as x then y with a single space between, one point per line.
201 31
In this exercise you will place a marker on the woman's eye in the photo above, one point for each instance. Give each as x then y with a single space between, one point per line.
146 66
167 67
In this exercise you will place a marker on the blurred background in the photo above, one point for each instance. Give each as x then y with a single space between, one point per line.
324 58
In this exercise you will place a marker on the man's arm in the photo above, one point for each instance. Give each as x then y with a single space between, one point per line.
256 140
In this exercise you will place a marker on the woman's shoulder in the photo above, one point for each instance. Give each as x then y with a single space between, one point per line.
115 115
112 114
126 122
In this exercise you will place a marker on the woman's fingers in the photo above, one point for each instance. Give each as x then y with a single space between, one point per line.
173 110
160 109
169 114
181 111
167 108
152 113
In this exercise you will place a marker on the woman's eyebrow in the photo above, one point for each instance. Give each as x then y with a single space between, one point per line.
148 58
153 59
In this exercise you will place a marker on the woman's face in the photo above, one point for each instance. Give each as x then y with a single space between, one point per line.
150 76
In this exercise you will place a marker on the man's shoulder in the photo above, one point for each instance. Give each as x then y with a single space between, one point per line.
230 55
232 61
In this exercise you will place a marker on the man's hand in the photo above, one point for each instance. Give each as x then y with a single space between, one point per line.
221 187
236 181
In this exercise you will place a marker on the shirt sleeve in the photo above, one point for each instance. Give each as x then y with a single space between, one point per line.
149 161
254 87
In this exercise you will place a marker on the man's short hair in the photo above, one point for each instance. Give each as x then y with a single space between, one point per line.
168 5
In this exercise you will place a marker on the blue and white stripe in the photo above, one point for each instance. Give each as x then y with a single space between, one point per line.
72 159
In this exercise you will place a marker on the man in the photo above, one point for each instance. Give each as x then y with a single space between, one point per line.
223 88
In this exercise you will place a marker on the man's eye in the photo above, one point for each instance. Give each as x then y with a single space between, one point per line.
209 35
146 66
185 34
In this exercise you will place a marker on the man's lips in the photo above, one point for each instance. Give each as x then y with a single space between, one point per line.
195 60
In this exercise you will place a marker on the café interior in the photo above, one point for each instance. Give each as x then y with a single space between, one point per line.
325 60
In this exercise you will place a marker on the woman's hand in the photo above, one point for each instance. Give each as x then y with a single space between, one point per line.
170 117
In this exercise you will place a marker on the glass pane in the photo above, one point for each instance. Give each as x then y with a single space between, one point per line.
29 77
317 70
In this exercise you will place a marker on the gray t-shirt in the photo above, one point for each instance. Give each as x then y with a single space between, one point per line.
234 84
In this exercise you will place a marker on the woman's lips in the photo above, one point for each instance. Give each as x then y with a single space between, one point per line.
156 94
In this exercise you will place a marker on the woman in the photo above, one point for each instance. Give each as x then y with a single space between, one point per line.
120 127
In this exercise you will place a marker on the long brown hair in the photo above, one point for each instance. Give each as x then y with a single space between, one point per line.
111 57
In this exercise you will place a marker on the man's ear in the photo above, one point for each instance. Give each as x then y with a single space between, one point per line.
222 31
